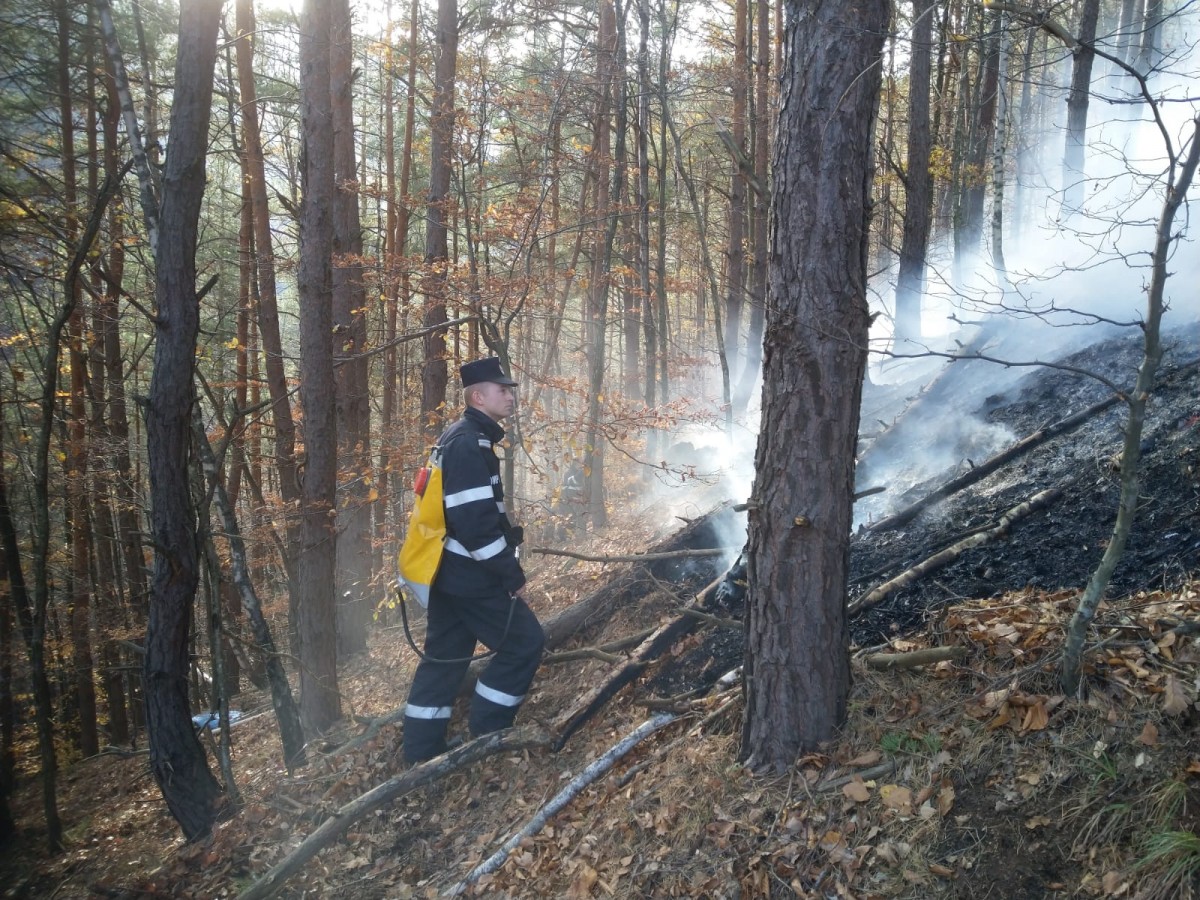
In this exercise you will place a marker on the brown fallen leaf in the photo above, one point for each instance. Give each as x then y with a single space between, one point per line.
585 880
857 790
1149 735
1175 700
870 758
945 800
1113 885
897 798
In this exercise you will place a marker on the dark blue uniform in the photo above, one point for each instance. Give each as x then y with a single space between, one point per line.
472 599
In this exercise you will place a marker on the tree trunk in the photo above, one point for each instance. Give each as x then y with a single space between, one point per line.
597 312
797 653
1077 108
763 117
176 757
317 627
353 576
1149 51
735 280
667 26
14 607
999 145
129 511
437 254
286 713
982 114
918 184
1129 29
84 689
268 307
642 132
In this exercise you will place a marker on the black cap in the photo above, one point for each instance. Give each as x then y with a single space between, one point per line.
484 370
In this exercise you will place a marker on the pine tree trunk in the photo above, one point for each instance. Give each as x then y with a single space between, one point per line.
597 313
268 306
435 377
797 652
177 759
319 701
353 578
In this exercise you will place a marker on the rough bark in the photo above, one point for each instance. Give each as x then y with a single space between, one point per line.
176 757
320 704
815 353
353 567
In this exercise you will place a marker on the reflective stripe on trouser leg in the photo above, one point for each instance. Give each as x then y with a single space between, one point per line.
434 686
503 685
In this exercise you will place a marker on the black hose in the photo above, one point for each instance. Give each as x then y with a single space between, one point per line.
512 607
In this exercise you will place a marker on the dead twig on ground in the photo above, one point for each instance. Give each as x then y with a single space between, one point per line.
914 658
597 768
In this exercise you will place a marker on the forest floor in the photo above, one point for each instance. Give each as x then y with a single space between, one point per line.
969 778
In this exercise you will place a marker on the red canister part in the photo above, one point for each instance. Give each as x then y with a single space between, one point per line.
421 480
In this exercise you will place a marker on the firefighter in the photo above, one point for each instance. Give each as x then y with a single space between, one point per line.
478 594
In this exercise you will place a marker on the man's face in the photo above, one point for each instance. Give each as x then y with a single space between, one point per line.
496 400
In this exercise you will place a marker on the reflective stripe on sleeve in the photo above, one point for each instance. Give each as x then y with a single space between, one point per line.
498 697
484 442
495 548
458 498
427 712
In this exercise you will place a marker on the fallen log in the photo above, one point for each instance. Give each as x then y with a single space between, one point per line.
595 609
658 643
981 471
913 658
594 770
336 825
953 552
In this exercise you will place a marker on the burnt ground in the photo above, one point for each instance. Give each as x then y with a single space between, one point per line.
1055 549
1059 547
